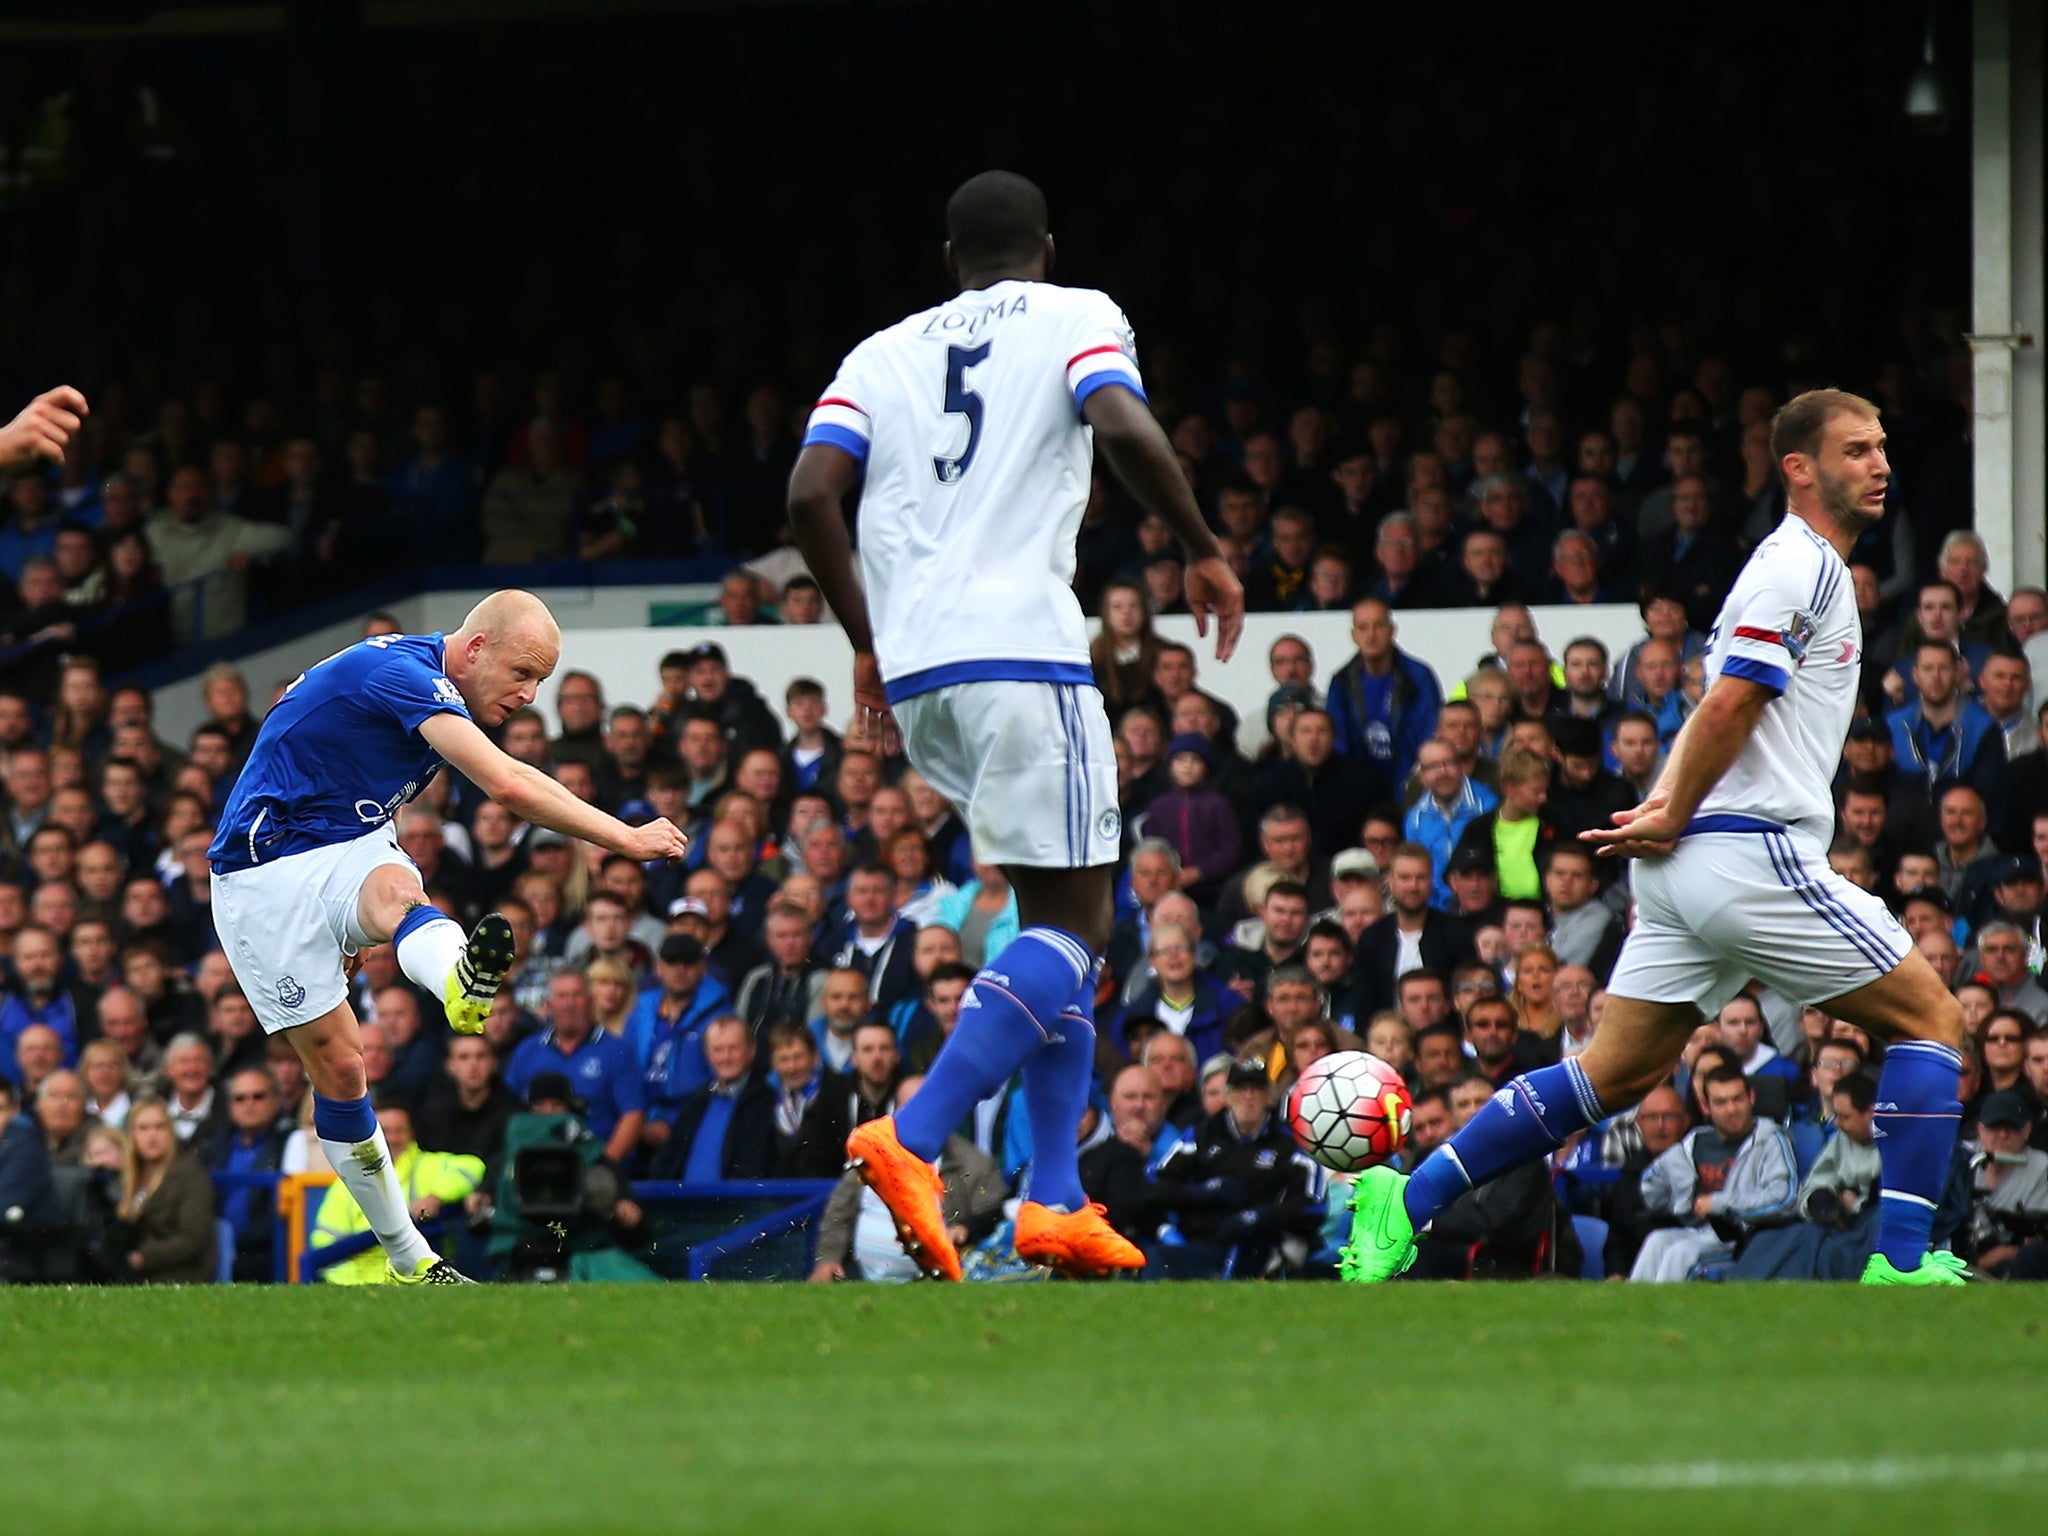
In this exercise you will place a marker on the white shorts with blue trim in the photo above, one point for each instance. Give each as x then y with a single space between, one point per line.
1029 766
1727 907
285 925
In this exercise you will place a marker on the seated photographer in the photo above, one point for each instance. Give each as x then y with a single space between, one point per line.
725 1129
1719 1184
857 1236
2009 1182
430 1179
563 1210
1837 1203
1246 1201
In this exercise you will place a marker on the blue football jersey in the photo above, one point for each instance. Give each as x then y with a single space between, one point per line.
340 752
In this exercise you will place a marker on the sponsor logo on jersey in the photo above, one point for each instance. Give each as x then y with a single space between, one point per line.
289 992
370 813
446 692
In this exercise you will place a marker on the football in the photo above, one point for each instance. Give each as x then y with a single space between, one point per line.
1349 1111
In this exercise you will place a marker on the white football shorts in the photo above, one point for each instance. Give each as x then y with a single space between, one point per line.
285 925
1730 906
1029 766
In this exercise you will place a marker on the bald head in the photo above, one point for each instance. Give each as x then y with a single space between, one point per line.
511 613
505 649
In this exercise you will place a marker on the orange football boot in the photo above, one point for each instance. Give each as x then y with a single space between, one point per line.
910 1188
1079 1243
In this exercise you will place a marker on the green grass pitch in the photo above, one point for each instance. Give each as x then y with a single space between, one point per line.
1046 1409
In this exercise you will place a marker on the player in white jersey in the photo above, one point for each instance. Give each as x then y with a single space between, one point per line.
974 425
1732 885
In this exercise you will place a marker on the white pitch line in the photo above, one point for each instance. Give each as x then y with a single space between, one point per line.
1888 1472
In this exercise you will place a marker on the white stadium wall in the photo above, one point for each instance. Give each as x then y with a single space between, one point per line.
604 633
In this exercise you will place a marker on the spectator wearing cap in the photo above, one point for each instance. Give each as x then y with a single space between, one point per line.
601 1067
2009 890
665 1032
1414 935
1245 1199
1583 792
1450 803
1354 874
705 909
1383 702
2008 1186
1335 791
733 702
1196 821
725 1128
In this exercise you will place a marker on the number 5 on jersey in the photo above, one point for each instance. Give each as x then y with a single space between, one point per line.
961 401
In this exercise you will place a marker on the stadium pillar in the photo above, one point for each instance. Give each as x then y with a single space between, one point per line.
2010 409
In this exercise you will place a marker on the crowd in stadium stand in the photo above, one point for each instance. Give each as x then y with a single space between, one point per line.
1396 867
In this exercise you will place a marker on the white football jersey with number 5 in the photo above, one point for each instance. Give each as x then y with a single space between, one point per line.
967 419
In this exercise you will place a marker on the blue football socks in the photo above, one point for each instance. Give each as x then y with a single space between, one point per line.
1055 1093
1010 1011
1917 1115
1528 1119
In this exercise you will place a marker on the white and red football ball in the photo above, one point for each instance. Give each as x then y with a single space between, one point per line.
1348 1111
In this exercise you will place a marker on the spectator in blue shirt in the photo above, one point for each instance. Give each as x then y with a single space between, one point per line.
599 1066
726 1128
665 1031
1451 801
1383 702
1945 738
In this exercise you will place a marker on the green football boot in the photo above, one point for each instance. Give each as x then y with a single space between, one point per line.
1382 1238
1938 1268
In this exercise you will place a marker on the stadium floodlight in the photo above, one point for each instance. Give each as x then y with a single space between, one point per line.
1928 105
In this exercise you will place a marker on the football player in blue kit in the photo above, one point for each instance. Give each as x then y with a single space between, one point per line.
307 867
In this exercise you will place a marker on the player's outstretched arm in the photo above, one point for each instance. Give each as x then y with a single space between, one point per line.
1143 459
43 430
532 796
1704 749
818 488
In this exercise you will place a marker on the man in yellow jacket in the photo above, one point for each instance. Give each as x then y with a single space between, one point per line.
431 1180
